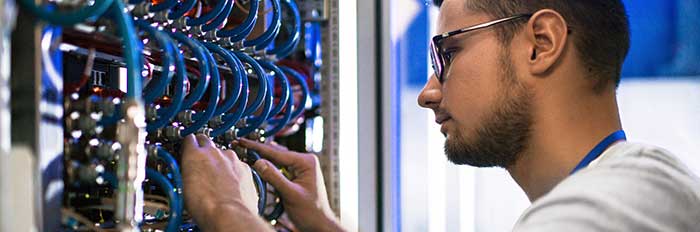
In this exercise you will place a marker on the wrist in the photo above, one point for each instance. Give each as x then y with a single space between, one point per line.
219 216
328 224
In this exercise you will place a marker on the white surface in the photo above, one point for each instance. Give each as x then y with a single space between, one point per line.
347 148
16 180
664 113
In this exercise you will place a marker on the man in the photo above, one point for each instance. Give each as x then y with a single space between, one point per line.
521 84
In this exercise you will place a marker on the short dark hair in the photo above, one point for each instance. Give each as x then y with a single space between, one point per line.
600 29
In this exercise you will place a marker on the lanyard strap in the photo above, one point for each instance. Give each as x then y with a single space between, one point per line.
598 149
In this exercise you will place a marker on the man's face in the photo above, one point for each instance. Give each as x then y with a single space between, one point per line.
483 109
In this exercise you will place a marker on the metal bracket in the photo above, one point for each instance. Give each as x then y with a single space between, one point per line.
131 168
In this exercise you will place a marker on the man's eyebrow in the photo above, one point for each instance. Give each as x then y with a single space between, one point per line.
452 40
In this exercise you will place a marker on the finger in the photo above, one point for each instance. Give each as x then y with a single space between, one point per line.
272 175
278 146
230 154
267 151
204 141
188 143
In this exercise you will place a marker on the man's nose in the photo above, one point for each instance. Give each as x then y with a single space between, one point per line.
431 95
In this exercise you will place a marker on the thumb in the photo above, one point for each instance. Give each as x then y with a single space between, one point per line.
272 175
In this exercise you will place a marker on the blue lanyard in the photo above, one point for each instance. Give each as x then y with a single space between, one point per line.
598 149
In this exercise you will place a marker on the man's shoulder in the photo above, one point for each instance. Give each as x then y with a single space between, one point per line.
633 187
640 164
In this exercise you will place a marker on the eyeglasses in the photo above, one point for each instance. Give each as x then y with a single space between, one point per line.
437 55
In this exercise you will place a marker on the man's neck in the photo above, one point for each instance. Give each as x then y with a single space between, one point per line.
561 139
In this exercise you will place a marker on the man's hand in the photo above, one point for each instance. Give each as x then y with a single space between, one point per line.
218 188
304 195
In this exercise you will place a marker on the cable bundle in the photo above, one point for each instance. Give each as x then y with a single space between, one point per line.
194 68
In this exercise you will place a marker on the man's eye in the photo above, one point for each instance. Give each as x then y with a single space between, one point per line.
449 55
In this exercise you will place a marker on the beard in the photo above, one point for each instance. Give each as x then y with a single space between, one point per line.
501 138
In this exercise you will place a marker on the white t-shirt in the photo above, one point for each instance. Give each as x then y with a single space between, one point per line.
631 187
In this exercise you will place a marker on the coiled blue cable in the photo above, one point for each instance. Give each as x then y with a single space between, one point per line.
269 35
237 72
162 182
230 119
288 46
176 178
282 122
214 24
201 118
67 18
262 82
275 30
241 31
215 74
181 9
278 74
156 88
204 72
167 113
255 122
298 110
304 89
215 11
286 52
260 184
163 6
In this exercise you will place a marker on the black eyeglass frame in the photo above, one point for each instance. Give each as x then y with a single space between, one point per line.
436 54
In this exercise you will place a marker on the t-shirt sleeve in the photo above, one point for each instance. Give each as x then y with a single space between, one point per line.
642 189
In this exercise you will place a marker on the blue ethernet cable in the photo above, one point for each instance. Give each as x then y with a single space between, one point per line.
230 119
255 122
262 81
278 74
67 18
174 218
269 35
304 89
277 22
237 72
204 71
132 50
176 178
166 5
132 56
202 118
181 9
156 88
206 17
288 46
243 30
260 184
215 74
167 113
282 122
214 24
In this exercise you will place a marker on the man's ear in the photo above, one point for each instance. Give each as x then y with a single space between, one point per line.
547 32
